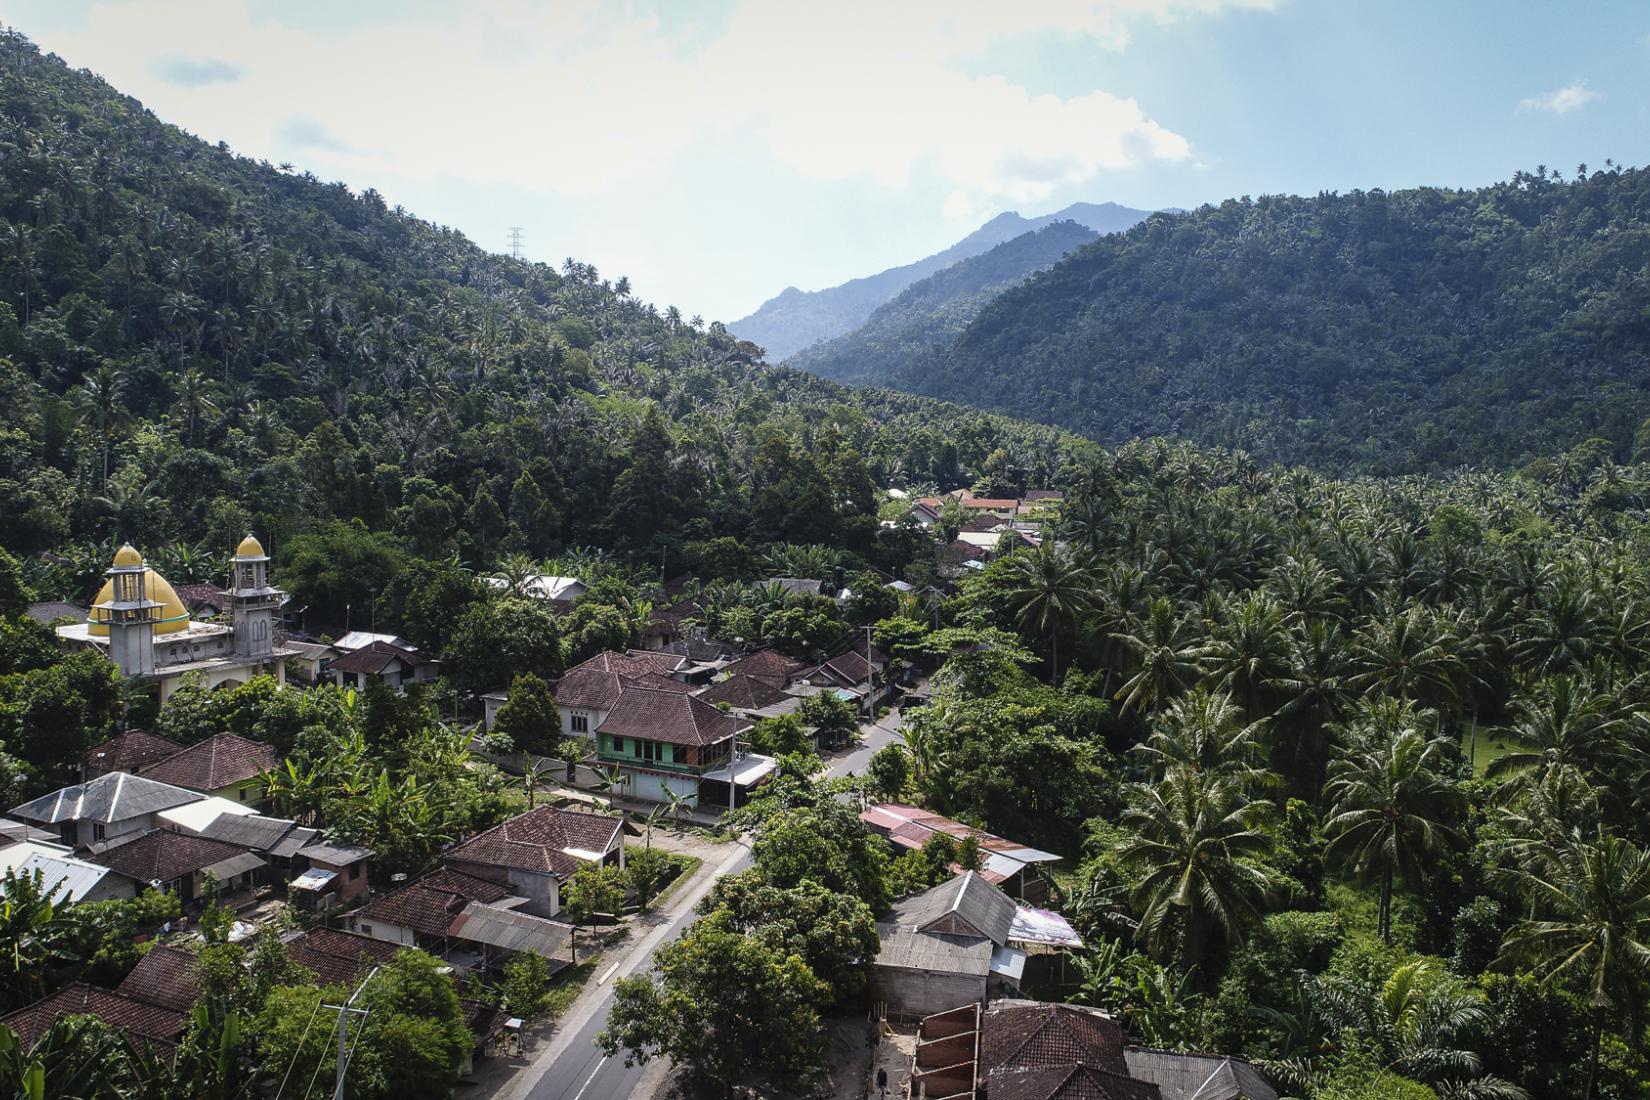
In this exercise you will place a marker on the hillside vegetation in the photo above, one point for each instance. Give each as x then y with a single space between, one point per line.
1373 331
932 313
193 344
797 319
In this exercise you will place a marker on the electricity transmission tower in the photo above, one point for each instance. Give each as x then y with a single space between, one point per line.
515 242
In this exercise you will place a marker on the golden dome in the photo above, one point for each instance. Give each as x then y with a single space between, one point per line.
127 555
249 548
173 616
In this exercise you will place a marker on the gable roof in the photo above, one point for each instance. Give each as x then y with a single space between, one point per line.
671 716
589 688
47 612
217 762
978 903
158 1026
15 832
1193 1076
766 664
131 751
743 693
58 867
165 976
374 658
337 957
334 854
911 826
162 855
197 596
355 639
428 905
629 665
278 836
846 669
549 840
117 796
992 504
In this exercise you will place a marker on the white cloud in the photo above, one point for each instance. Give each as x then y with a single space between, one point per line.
578 98
1561 101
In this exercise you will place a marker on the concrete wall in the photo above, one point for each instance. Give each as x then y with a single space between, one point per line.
922 992
378 930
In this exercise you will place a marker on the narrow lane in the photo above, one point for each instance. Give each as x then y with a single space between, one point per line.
577 1069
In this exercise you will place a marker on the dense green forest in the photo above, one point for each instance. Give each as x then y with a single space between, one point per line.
1377 332
199 343
930 314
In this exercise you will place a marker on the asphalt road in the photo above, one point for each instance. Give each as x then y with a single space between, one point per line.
578 1069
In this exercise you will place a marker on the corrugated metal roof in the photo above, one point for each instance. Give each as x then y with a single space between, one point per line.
509 930
1190 1076
57 866
226 869
909 949
117 796
984 907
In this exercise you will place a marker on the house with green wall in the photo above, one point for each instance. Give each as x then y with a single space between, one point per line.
666 744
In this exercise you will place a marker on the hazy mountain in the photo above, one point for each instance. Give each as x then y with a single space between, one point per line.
1376 331
797 318
933 312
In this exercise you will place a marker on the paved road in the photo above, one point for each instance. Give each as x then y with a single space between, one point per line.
573 1067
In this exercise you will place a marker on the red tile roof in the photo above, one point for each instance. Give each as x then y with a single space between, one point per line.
743 693
539 839
215 763
163 856
167 976
1037 1035
627 665
158 1026
668 716
195 596
589 688
429 904
847 669
129 752
338 957
992 504
373 659
766 664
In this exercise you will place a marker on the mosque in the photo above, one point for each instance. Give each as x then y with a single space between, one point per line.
139 623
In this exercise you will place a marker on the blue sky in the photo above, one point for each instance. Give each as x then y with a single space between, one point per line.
717 152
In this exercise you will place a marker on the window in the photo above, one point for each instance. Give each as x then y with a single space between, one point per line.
354 871
579 723
618 745
99 831
246 794
654 751
366 930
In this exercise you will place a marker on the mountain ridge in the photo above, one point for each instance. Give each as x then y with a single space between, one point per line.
795 319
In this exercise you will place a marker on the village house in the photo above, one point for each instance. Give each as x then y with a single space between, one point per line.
332 874
1032 1050
768 665
139 622
392 665
143 1023
665 745
955 943
277 839
225 765
131 751
179 863
540 850
1009 865
63 873
104 809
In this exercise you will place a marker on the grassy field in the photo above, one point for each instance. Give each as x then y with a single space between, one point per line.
1493 744
565 987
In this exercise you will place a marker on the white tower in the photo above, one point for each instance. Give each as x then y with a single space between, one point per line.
252 602
131 614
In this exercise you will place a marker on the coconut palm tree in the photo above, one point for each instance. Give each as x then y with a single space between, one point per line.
1049 590
1590 927
1249 651
1569 726
1205 732
1413 1023
1407 655
1166 656
1198 851
1389 806
101 405
1314 693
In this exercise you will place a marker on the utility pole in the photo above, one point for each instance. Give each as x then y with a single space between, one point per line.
345 1011
515 242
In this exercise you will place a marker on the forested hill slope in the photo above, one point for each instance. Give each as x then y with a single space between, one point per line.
796 319
193 344
931 313
1377 332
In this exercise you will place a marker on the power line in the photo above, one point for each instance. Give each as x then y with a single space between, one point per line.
515 242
